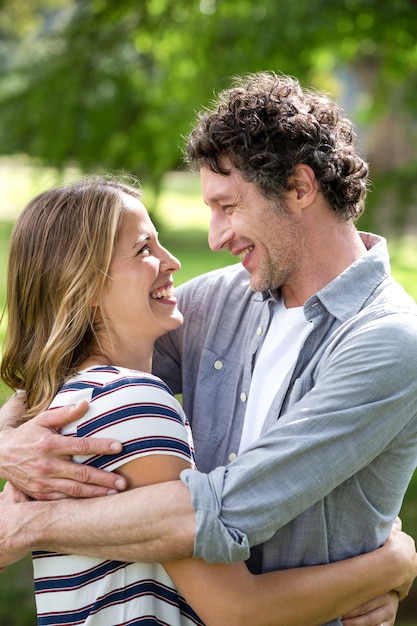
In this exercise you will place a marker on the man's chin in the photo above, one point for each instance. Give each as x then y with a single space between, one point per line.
258 285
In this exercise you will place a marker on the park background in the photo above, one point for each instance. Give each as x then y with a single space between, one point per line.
114 86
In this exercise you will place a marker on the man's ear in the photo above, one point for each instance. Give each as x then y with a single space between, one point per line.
305 184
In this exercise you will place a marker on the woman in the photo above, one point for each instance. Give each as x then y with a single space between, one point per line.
89 291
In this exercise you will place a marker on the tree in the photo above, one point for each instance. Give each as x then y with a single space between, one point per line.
116 85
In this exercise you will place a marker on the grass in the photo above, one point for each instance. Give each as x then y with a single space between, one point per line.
183 221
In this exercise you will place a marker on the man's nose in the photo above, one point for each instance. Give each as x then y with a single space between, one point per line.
220 232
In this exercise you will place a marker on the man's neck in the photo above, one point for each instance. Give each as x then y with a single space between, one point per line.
326 254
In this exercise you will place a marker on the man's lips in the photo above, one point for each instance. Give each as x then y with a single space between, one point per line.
245 252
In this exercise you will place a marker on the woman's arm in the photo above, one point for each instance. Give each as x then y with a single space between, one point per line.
230 594
306 596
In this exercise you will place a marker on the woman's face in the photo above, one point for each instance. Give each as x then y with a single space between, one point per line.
138 302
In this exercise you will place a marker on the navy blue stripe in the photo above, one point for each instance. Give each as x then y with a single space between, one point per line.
159 444
136 590
72 386
75 581
129 381
130 411
124 381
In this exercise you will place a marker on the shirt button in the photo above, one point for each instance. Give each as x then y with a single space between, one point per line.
218 365
243 397
232 457
259 331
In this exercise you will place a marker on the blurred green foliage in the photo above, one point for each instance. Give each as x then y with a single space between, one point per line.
115 85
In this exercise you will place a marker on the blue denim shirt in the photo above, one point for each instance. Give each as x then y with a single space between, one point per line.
339 444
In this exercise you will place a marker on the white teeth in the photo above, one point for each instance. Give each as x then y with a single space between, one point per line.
245 252
164 293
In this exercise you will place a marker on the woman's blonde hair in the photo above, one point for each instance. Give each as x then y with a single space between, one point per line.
59 257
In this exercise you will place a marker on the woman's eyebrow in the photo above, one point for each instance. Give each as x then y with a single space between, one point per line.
141 239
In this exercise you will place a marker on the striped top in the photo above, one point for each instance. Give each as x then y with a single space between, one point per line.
139 410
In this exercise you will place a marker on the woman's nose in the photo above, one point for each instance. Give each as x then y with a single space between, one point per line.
169 262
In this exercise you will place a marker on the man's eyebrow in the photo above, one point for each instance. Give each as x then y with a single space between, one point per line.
219 197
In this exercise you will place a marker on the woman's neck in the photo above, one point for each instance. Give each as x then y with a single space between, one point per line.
134 361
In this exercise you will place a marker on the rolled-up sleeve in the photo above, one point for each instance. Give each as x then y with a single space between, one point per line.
214 541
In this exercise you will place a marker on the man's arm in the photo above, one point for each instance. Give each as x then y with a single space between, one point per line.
147 524
13 412
35 458
96 527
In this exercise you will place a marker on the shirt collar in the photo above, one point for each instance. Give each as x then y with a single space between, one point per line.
348 292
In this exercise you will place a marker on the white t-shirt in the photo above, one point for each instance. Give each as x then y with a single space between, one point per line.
276 357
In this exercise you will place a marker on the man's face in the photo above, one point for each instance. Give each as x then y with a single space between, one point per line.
264 236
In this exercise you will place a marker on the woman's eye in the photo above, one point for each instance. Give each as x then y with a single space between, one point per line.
144 250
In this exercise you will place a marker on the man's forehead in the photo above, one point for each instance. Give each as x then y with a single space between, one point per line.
220 187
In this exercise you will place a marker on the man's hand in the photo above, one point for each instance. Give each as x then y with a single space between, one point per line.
37 459
8 497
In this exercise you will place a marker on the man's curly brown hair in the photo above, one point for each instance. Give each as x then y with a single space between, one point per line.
266 124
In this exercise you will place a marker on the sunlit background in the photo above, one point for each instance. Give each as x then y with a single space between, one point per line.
102 85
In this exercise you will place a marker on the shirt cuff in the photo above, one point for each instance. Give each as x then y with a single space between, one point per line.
214 541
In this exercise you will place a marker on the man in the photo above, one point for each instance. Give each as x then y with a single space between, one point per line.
297 367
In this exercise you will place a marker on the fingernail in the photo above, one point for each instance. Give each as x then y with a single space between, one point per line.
120 484
116 446
112 492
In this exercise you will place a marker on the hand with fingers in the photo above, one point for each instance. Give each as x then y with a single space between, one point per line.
378 612
38 460
382 611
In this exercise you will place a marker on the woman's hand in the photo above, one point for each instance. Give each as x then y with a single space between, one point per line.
378 612
403 553
399 547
